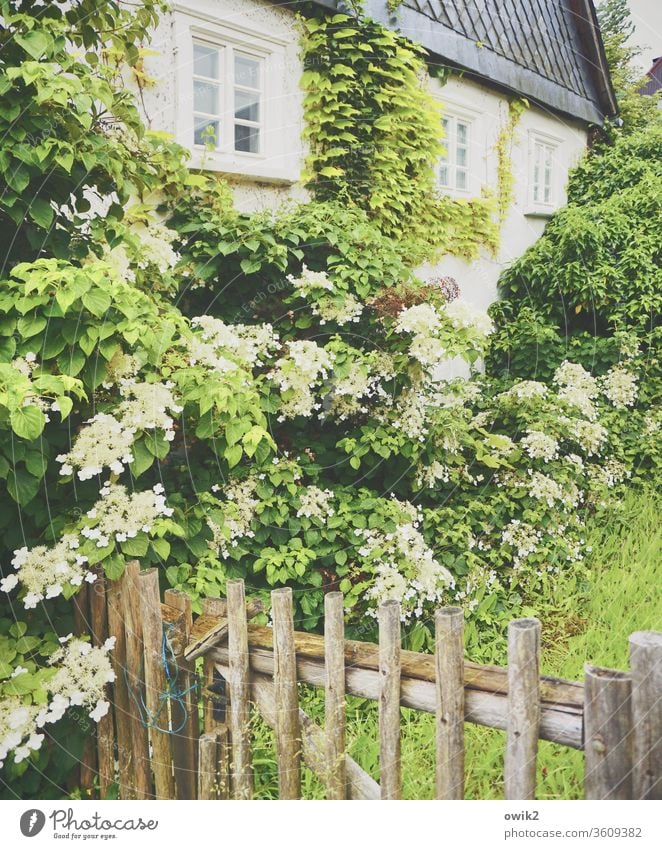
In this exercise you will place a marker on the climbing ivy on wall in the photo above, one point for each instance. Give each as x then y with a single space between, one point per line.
504 146
375 136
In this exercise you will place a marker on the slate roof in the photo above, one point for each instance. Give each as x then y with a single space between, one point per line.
548 50
654 83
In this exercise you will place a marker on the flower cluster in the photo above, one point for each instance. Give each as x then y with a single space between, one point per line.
577 387
350 394
44 572
620 387
248 343
524 539
120 515
463 316
310 283
404 568
297 374
156 243
326 303
590 436
315 503
107 439
80 677
540 446
239 510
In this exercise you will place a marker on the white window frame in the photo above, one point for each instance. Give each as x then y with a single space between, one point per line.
277 159
548 145
475 151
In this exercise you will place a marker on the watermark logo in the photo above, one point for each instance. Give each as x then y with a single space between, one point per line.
32 822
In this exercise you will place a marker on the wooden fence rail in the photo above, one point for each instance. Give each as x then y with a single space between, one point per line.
168 735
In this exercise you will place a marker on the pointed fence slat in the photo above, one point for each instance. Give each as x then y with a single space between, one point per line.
215 686
122 705
184 711
449 649
105 727
389 700
239 681
334 715
156 685
523 708
607 734
288 733
646 670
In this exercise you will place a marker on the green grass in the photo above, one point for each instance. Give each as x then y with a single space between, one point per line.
581 622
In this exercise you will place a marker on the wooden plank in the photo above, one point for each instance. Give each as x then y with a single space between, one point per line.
334 704
215 695
646 671
608 734
523 708
121 700
105 726
288 735
554 692
359 784
87 766
449 652
210 630
184 712
559 723
241 772
389 700
156 685
142 776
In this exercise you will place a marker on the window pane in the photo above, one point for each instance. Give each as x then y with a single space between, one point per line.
205 97
246 71
548 194
445 124
443 176
247 105
461 156
205 61
206 132
461 179
246 139
462 133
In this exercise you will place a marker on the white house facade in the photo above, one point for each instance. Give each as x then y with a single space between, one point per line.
226 85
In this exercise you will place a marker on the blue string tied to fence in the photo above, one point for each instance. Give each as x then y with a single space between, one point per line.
173 694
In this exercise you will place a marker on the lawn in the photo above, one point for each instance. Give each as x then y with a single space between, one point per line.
582 621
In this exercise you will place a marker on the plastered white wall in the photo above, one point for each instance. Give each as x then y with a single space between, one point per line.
271 180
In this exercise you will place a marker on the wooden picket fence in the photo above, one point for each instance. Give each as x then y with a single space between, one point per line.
168 738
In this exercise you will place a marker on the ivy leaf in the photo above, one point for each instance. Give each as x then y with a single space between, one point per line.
41 212
27 422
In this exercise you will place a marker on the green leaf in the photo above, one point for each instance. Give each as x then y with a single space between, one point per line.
30 325
113 567
161 547
41 212
233 455
97 302
142 458
27 422
35 43
136 547
22 486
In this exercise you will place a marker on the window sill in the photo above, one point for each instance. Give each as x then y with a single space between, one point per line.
249 167
539 212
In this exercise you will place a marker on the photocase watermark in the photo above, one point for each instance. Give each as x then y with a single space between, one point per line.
65 826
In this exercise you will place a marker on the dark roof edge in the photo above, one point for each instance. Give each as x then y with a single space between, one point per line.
450 47
586 20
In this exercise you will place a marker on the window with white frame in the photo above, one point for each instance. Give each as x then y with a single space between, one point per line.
228 98
543 172
454 164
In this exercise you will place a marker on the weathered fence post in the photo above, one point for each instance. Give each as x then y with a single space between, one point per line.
115 597
213 767
449 653
105 730
142 777
389 700
523 708
646 671
156 685
184 712
239 682
334 716
216 694
288 733
607 734
88 759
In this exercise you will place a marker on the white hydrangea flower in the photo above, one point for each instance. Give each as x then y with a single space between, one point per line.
540 446
420 319
620 387
43 571
311 282
239 510
577 387
120 515
526 389
248 343
156 242
524 538
315 503
463 315
297 374
590 436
